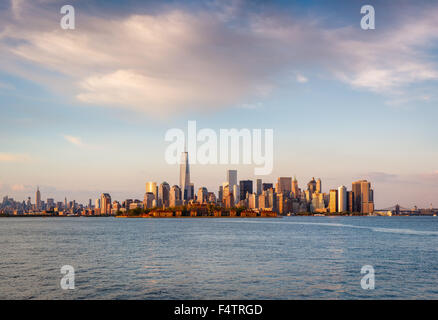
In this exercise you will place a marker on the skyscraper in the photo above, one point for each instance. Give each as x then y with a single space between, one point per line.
333 204
232 178
163 194
295 187
311 186
202 195
245 187
355 188
367 205
184 177
318 185
363 197
284 185
259 186
105 203
175 196
342 199
38 199
151 187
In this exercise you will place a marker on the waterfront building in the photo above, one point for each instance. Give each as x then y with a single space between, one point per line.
105 203
317 203
350 201
148 201
163 194
333 204
175 196
342 199
363 196
151 187
202 195
96 204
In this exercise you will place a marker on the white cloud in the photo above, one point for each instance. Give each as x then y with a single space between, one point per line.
301 78
74 140
176 60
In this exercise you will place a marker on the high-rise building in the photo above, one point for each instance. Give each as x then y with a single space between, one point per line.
284 185
228 198
149 200
151 187
317 204
184 177
295 188
333 204
105 203
311 186
163 194
342 199
355 188
318 185
202 195
267 186
363 196
232 178
259 186
236 193
38 199
350 201
253 201
245 187
175 196
96 204
367 205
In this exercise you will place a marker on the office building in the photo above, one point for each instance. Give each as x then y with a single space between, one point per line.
342 199
184 178
245 187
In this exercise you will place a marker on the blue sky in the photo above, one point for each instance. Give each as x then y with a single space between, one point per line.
85 111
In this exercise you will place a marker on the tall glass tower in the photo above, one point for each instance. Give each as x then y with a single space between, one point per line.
184 177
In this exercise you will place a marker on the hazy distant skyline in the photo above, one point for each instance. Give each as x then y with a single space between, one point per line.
84 111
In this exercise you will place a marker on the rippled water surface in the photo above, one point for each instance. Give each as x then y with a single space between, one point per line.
283 258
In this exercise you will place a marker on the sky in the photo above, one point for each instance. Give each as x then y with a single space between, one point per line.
85 111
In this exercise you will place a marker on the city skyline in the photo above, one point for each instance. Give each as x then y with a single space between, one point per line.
81 116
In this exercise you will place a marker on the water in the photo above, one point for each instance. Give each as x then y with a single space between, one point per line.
287 258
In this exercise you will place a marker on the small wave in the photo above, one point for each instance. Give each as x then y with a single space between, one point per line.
341 225
407 231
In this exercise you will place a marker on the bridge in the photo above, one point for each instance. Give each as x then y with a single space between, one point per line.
397 209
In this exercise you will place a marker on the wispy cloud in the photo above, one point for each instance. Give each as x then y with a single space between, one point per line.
14 157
